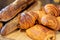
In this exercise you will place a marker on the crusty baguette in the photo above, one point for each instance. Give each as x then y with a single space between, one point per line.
39 32
10 26
13 9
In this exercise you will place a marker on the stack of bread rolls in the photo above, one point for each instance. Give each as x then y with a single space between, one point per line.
48 18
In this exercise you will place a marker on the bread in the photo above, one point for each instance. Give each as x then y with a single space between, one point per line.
47 20
39 32
24 20
40 14
13 9
27 19
51 9
10 26
50 21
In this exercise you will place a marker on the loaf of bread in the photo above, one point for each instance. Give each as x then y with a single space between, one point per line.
13 9
10 26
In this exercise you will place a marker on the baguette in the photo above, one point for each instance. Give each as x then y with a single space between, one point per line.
10 26
13 9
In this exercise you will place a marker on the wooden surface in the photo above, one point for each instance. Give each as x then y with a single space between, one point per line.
18 35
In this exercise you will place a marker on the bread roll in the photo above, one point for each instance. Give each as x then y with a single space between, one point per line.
39 32
51 9
27 19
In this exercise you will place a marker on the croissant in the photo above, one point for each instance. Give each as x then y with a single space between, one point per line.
13 9
39 32
51 9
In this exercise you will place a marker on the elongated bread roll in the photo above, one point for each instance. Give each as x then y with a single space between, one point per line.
39 32
10 26
13 9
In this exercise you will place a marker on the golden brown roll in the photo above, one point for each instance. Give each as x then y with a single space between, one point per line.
50 21
13 9
51 9
27 19
47 20
39 32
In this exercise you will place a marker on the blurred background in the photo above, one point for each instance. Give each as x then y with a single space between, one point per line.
4 3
